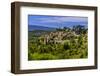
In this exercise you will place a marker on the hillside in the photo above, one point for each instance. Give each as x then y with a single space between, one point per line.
63 43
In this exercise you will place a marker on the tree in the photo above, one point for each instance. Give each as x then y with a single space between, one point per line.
66 29
79 29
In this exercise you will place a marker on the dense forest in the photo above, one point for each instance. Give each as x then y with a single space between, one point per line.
62 43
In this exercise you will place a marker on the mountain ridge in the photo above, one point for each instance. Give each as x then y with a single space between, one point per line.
35 27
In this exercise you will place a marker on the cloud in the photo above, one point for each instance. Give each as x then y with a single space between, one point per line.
58 19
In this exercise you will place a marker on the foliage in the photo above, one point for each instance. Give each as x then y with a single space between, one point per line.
63 43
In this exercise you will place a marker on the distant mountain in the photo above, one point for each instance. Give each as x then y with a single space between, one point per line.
35 27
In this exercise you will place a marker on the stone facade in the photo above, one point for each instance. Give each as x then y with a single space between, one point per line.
57 37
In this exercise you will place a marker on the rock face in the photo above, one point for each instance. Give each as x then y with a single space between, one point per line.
57 37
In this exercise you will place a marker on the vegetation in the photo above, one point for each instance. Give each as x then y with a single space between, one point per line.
65 43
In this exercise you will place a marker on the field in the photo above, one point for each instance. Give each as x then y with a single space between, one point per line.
59 43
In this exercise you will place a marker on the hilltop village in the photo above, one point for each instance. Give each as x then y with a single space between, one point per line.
63 43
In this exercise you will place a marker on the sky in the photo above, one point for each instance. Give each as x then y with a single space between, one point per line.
56 21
